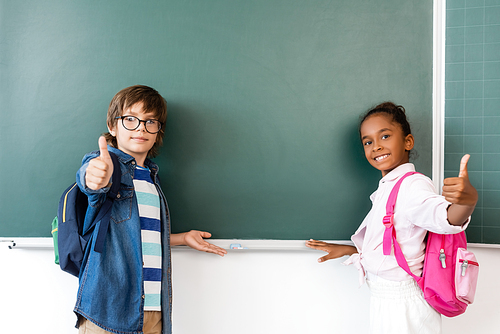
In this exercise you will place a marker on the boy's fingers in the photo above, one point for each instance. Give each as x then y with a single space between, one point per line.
463 166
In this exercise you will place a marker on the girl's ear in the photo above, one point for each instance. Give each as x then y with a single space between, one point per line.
409 142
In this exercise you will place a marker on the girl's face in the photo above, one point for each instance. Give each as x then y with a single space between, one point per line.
384 142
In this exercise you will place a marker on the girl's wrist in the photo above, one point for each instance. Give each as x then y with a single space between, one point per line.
349 250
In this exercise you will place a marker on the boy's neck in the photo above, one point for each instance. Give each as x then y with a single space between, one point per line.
140 161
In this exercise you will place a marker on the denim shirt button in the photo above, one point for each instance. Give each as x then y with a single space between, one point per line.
143 296
118 195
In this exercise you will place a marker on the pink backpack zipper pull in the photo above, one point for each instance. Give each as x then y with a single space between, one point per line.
442 255
464 267
465 264
442 258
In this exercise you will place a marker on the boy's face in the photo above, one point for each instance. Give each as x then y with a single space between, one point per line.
138 142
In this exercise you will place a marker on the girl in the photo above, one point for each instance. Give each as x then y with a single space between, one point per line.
397 304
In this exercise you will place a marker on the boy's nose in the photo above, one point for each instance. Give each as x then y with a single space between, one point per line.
141 127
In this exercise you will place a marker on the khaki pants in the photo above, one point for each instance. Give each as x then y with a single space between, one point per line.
152 324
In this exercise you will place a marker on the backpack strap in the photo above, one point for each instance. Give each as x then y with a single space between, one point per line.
390 231
104 214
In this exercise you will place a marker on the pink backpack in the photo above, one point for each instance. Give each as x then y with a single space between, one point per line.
450 271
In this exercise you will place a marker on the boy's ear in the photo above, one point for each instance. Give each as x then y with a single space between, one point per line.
111 131
409 142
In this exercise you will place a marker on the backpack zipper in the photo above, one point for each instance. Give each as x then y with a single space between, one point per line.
442 255
465 265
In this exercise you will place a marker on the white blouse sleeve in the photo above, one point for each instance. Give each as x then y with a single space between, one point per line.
425 208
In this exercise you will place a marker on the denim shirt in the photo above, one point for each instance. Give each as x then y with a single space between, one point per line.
111 289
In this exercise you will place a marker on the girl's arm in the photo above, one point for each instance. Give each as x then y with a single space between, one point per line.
460 192
195 239
334 250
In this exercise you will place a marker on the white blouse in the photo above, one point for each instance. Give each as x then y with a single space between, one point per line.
418 209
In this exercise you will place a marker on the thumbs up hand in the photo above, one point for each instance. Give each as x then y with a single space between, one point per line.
459 190
100 169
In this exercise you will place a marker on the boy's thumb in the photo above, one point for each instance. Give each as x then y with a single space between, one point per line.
205 235
103 148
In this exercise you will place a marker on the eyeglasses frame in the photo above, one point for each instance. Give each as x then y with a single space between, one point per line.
138 125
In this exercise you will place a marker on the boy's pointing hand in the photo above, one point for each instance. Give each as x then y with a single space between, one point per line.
100 169
459 190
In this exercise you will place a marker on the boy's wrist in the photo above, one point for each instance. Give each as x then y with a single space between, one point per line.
178 239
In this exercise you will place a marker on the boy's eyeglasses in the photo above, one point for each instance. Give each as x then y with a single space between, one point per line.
131 123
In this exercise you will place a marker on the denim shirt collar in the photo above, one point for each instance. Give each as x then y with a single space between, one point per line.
127 159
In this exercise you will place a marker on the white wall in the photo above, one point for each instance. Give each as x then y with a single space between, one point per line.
246 292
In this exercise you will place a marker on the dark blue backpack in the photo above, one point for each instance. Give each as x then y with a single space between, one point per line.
70 241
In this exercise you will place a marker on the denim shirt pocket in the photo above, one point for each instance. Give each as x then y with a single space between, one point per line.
122 208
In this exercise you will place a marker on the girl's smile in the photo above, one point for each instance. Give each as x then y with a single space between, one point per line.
382 157
384 142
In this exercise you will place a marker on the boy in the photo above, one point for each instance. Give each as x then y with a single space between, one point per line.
127 287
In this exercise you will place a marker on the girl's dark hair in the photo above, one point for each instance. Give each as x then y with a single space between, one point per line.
397 113
153 103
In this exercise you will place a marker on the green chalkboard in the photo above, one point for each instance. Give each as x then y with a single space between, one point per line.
264 99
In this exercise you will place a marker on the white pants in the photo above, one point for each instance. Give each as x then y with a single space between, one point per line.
400 308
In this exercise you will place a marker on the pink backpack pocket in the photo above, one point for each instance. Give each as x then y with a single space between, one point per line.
466 274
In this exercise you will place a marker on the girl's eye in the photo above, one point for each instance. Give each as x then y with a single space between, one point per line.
385 136
367 143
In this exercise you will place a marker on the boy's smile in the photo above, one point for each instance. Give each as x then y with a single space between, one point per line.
138 142
384 143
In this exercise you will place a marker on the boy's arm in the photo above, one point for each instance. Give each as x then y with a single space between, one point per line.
195 240
334 250
460 192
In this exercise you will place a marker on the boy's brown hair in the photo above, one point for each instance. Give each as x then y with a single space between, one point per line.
152 101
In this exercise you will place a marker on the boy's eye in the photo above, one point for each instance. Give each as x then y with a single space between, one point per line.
151 121
130 119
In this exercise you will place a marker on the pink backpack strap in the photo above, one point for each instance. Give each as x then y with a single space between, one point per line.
390 231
